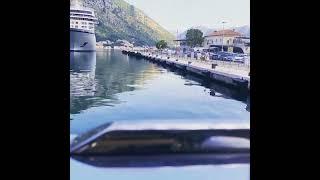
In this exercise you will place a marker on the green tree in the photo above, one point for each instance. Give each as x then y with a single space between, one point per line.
194 37
161 44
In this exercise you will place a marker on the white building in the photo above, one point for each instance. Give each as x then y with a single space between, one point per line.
219 38
181 45
243 43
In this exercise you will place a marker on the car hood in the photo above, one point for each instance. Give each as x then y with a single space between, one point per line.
235 171
80 171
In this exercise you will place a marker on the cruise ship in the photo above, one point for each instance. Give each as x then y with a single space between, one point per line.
82 22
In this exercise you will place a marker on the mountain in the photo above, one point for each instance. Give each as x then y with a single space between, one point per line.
120 20
204 30
244 30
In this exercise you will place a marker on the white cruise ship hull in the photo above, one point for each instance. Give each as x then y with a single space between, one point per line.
82 40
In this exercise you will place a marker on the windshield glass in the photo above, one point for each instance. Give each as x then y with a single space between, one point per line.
143 142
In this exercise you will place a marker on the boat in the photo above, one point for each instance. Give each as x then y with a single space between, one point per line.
82 30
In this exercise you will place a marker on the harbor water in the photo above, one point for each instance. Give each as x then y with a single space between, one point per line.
108 86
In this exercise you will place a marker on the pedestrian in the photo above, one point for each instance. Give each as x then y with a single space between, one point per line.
207 55
198 55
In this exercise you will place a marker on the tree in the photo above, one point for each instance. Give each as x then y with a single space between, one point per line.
161 44
194 37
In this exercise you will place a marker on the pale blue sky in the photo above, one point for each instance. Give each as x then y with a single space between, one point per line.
183 14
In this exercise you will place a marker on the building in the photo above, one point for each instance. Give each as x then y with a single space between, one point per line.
182 44
123 43
230 39
225 37
243 43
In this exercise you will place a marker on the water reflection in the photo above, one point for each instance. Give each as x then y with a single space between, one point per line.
113 87
96 78
248 104
82 78
215 89
117 73
82 73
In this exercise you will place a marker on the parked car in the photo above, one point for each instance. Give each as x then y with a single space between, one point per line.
217 55
235 57
240 58
214 56
223 55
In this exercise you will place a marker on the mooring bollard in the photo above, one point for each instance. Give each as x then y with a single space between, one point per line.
213 66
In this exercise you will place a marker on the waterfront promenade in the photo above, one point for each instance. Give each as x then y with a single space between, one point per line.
232 73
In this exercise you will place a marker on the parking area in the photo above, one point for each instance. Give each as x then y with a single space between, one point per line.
205 59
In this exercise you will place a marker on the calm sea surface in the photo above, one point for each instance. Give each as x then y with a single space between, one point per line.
110 87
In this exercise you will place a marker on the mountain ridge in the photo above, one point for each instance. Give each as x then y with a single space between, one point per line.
121 20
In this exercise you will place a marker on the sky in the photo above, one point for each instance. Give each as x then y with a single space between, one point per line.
180 15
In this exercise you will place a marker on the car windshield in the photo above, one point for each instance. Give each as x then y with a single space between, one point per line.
113 145
142 142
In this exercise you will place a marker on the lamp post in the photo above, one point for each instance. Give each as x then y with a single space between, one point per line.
223 22
177 44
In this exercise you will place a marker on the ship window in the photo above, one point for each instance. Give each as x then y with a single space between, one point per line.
76 22
76 26
80 11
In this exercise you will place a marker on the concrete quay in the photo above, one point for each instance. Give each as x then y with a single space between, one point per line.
232 77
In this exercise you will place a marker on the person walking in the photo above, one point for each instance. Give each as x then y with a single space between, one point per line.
207 56
198 55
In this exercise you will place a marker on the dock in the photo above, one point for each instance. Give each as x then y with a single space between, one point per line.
214 70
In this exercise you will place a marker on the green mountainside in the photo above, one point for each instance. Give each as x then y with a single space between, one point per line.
120 20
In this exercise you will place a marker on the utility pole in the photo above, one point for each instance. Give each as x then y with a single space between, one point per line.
223 22
177 44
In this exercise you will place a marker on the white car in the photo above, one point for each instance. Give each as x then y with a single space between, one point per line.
237 58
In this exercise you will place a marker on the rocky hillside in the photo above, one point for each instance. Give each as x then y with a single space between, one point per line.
120 20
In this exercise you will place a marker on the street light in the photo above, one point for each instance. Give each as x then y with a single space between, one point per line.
223 22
